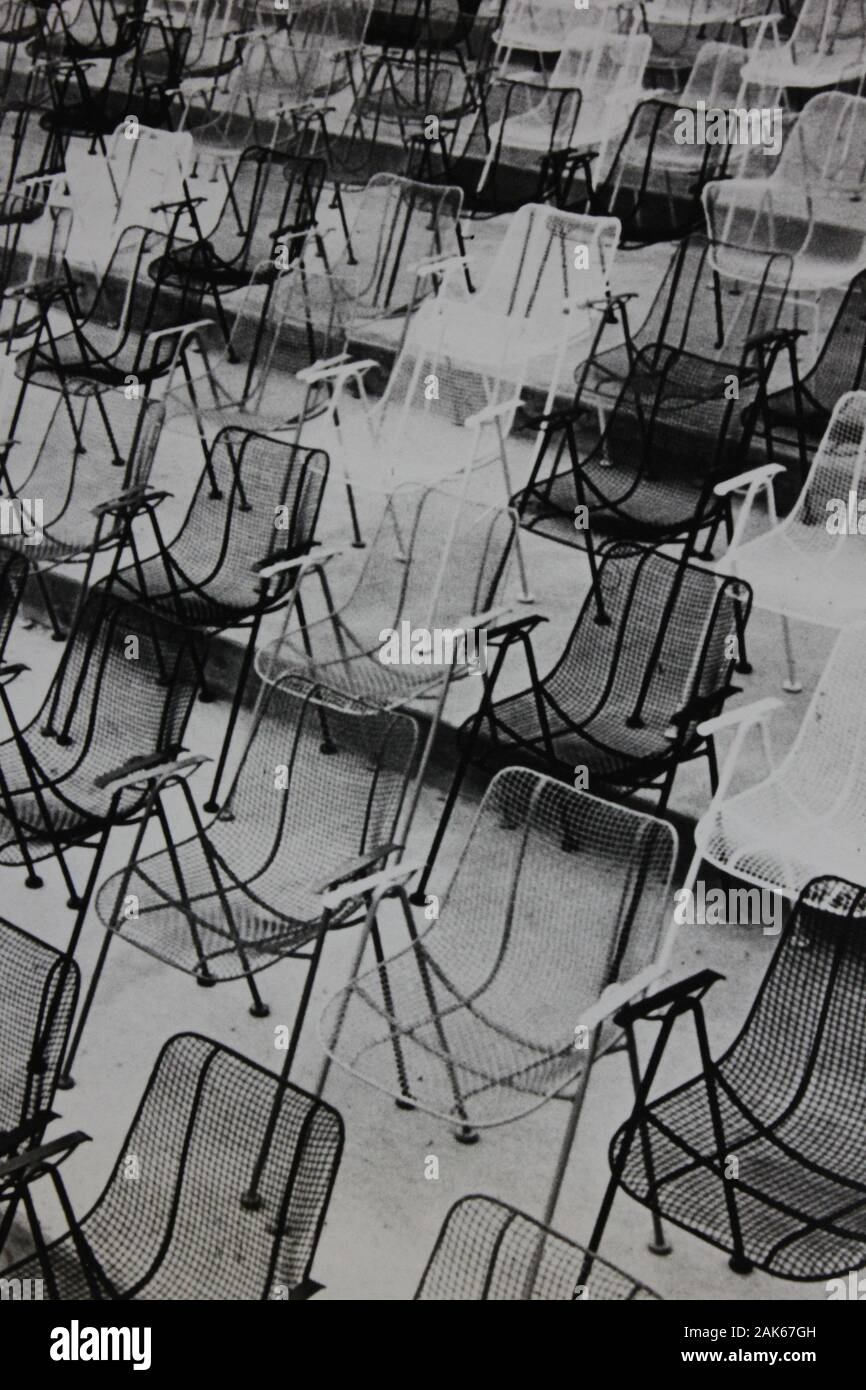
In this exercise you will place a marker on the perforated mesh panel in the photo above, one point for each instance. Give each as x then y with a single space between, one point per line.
489 1251
555 895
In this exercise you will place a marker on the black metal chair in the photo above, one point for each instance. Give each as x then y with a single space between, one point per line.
313 807
651 655
227 1198
34 235
13 577
40 989
680 402
840 366
760 1153
488 1251
125 339
239 550
271 203
90 472
144 71
108 729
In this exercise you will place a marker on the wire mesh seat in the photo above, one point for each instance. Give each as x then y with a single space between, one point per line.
119 700
805 815
13 577
678 28
90 471
125 337
650 657
436 561
841 362
655 179
759 1154
314 803
826 48
187 1228
40 990
809 209
271 205
809 565
546 290
545 27
401 231
237 554
472 1022
587 103
679 406
139 86
488 1251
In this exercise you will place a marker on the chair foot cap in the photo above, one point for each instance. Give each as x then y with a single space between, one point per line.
792 687
467 1136
404 1104
740 1265
661 1247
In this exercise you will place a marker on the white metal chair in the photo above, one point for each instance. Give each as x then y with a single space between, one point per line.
811 566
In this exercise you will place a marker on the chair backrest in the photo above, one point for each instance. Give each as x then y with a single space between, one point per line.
716 76
39 989
268 192
715 319
71 482
184 1227
604 66
435 560
490 1251
819 522
399 223
802 1048
124 687
257 500
829 28
13 577
824 768
549 264
347 766
565 893
670 638
841 361
825 151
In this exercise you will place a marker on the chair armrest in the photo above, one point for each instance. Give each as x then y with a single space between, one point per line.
135 499
13 1138
755 713
776 335
677 993
439 265
756 476
300 562
491 413
138 772
353 867
700 704
9 672
182 330
335 370
526 622
34 1158
617 995
385 879
179 203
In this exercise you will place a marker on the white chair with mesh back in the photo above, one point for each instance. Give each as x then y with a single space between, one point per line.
584 105
678 28
811 208
807 816
553 918
544 27
546 290
811 566
826 48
